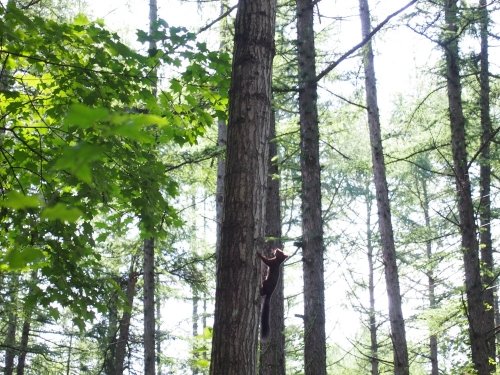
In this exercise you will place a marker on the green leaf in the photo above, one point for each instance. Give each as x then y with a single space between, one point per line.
19 201
81 20
62 212
77 160
83 116
20 258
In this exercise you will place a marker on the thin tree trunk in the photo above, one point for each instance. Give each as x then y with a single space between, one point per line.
478 332
194 319
433 344
10 342
121 344
272 351
374 361
112 328
237 302
149 307
25 333
221 160
312 222
398 333
148 246
221 172
23 347
10 337
485 183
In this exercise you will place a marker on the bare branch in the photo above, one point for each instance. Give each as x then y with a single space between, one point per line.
363 42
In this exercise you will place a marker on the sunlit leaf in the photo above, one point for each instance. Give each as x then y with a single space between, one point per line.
18 201
62 212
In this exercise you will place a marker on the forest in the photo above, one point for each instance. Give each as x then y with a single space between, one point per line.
242 187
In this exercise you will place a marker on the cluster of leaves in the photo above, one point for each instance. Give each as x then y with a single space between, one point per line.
82 143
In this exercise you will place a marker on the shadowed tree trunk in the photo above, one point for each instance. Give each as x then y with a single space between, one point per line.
237 300
485 183
23 346
312 222
124 324
10 337
478 331
148 246
25 333
272 351
398 333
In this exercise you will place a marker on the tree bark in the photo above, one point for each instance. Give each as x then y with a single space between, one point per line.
23 346
478 332
485 184
149 307
398 333
237 300
433 344
10 337
148 245
272 351
124 327
374 361
312 222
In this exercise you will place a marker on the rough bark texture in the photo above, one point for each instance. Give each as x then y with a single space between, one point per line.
374 361
272 351
312 223
23 346
221 172
485 183
398 334
124 328
478 332
237 303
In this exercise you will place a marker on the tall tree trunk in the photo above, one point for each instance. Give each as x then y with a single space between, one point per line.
112 329
398 333
23 346
433 344
194 319
478 331
374 361
149 307
124 326
10 342
312 222
237 300
221 160
485 183
10 337
148 246
221 172
25 333
272 351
